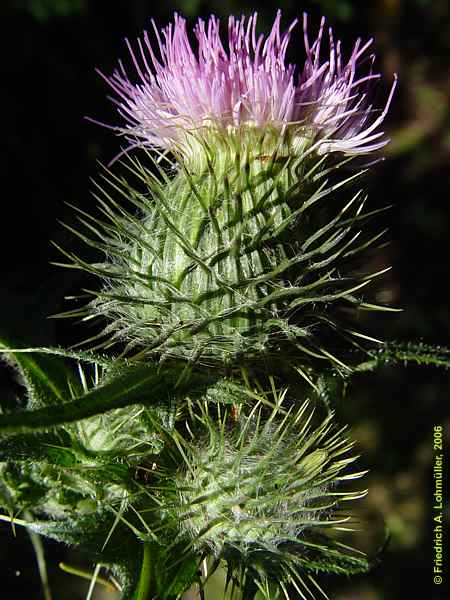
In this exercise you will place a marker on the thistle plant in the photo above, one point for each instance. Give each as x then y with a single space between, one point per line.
197 431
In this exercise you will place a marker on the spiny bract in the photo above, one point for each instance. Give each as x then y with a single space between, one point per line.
264 490
231 262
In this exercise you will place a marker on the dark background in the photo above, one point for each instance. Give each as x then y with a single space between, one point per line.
50 50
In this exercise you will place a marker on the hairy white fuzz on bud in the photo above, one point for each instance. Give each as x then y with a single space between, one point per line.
251 253
265 490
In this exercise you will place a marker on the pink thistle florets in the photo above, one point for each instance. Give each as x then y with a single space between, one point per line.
247 85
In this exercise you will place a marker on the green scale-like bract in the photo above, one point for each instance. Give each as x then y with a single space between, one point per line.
232 255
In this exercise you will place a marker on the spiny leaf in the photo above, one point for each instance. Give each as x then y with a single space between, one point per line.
37 446
81 355
407 352
147 384
45 377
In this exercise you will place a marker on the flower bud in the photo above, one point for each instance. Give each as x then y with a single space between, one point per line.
265 491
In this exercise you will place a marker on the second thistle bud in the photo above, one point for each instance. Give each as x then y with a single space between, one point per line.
264 491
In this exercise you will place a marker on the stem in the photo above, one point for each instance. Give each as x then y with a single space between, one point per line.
145 578
40 559
87 575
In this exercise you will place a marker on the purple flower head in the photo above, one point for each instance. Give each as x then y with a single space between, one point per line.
336 97
247 84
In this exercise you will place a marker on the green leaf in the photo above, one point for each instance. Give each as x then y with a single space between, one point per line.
48 446
45 377
147 384
394 353
169 576
86 356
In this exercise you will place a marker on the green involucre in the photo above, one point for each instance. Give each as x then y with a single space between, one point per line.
262 491
252 250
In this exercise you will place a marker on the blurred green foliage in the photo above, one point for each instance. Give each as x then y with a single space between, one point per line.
43 10
337 9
